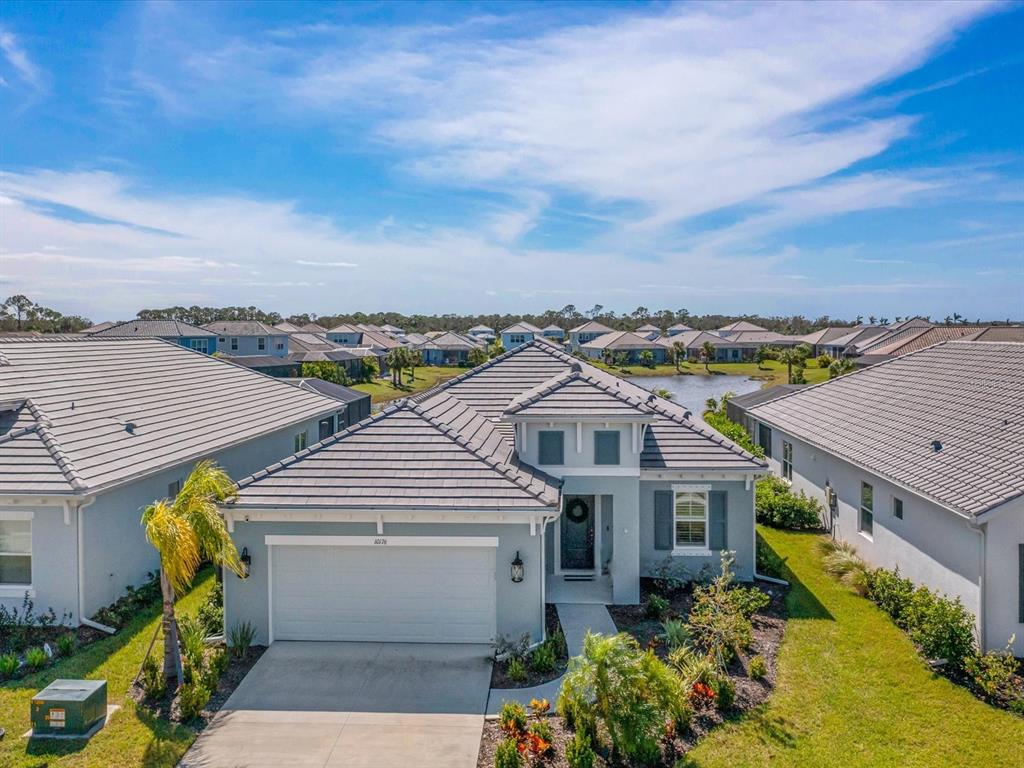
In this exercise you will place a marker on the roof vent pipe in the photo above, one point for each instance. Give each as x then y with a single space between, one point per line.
129 427
936 446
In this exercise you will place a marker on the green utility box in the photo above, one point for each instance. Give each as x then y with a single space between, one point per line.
69 707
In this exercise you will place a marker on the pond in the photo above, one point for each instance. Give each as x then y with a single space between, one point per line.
692 391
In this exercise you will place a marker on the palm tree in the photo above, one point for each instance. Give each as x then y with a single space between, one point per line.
478 356
791 357
186 531
678 355
840 367
707 351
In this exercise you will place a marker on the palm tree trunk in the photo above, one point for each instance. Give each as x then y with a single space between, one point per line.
172 654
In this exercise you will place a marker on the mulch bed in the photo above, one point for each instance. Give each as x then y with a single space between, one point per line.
769 627
166 707
499 671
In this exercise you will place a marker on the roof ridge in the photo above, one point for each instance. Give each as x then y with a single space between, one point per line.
63 461
506 469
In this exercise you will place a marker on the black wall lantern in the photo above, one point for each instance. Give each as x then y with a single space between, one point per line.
517 569
246 559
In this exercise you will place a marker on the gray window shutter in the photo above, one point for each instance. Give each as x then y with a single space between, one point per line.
1020 590
663 519
718 519
606 448
551 448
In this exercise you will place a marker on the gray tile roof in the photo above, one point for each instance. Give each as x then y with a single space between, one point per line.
621 340
100 326
680 327
286 327
575 391
521 327
967 395
759 396
164 329
742 325
859 335
437 454
591 326
913 338
182 406
242 328
451 341
999 333
329 389
825 335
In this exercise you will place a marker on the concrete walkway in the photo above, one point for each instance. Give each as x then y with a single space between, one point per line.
576 619
352 705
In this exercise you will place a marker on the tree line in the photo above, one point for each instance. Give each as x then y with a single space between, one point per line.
19 313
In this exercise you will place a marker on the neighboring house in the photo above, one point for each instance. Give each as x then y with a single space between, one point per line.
917 462
734 347
906 340
407 526
648 331
249 337
312 328
553 332
847 343
910 322
819 341
737 407
392 330
185 335
624 343
100 327
316 348
583 334
448 348
738 326
519 333
286 327
357 404
675 330
83 452
361 335
482 332
998 333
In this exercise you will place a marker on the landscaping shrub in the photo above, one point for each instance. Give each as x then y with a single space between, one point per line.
994 676
192 697
36 658
676 633
892 593
540 706
841 561
9 665
240 639
579 753
512 719
557 639
718 421
152 678
211 613
631 692
779 507
669 575
718 620
543 658
824 360
134 601
507 755
192 637
725 691
66 644
655 606
516 669
542 730
758 668
18 627
942 627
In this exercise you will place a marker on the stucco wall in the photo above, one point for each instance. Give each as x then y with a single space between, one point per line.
628 459
520 607
930 545
739 534
54 558
248 345
1004 535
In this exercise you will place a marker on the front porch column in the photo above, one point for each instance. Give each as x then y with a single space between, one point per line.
626 550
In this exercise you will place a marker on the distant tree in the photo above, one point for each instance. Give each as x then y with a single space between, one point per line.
621 359
395 360
764 354
711 404
647 358
678 355
707 353
840 367
825 360
594 311
414 361
17 306
370 368
325 370
478 356
871 319
496 349
793 357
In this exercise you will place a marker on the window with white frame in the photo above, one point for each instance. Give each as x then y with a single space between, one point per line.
787 460
300 441
234 344
867 509
199 345
261 343
16 550
517 338
691 518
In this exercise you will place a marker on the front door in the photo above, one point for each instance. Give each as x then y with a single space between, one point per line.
577 533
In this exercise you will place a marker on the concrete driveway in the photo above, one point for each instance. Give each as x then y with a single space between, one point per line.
372 705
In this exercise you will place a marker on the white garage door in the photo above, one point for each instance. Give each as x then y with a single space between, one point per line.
384 594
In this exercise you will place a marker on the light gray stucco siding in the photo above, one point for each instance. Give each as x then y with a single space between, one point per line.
1003 588
54 559
520 607
740 528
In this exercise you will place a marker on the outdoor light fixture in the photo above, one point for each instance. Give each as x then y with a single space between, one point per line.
246 559
517 569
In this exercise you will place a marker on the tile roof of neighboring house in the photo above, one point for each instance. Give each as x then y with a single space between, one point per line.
648 328
914 338
683 337
311 342
329 389
123 408
825 335
286 327
968 396
553 327
762 337
759 396
260 362
242 328
164 329
859 335
680 327
742 325
998 333
521 327
415 339
621 340
345 328
388 328
451 341
591 326
432 454
372 338
910 322
674 441
481 329
100 326
312 328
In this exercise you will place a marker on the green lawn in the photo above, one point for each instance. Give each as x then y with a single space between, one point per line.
132 738
852 691
771 372
382 390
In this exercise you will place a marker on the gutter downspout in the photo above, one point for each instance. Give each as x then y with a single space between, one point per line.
982 532
81 572
544 575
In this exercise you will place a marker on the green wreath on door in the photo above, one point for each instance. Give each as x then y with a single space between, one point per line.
577 510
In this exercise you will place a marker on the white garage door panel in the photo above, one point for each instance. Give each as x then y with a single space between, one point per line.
400 594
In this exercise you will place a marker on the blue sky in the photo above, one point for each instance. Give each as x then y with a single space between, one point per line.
836 159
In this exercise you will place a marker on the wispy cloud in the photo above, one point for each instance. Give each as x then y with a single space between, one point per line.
307 263
19 60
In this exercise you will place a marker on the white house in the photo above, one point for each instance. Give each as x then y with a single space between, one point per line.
92 430
454 516
920 464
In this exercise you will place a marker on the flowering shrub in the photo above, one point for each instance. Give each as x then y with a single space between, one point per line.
701 694
512 719
540 706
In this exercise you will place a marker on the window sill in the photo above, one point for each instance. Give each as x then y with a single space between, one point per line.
692 553
867 536
12 590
